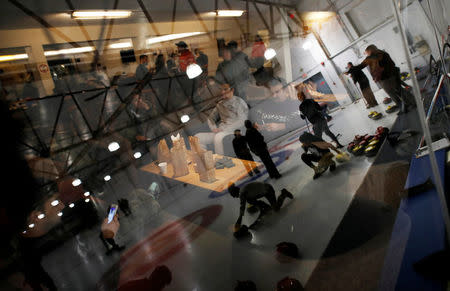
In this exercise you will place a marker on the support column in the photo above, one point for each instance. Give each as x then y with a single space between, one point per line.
283 48
36 56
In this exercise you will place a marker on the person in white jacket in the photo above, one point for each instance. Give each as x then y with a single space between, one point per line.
229 114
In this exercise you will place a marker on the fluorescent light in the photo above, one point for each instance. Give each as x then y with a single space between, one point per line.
54 202
114 146
230 13
100 14
71 205
307 45
86 194
270 53
137 155
75 50
193 70
42 215
60 214
24 232
318 16
6 58
87 200
168 37
184 118
76 182
107 178
31 225
120 45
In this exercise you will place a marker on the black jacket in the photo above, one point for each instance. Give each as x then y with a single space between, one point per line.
240 146
358 76
312 110
255 140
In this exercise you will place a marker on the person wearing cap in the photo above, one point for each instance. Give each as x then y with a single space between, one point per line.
186 57
230 113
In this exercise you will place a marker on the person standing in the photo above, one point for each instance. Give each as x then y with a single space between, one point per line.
186 57
359 77
311 110
242 152
258 146
142 68
387 75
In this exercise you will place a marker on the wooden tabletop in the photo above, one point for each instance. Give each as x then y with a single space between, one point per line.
224 176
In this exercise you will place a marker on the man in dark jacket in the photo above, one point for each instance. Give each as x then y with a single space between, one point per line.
242 152
258 146
387 75
359 77
311 110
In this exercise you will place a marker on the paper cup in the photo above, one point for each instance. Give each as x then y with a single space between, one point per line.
163 168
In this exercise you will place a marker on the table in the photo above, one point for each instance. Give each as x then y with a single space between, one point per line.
224 177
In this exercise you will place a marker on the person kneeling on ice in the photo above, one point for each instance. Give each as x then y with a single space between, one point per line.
318 150
253 194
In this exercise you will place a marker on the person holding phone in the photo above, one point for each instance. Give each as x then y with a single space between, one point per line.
110 226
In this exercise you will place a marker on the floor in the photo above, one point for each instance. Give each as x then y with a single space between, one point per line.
189 229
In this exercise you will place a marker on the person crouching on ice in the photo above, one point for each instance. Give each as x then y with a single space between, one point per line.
317 150
253 194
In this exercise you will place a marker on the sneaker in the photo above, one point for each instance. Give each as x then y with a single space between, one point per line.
287 193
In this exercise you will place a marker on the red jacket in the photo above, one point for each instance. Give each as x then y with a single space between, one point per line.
186 58
258 49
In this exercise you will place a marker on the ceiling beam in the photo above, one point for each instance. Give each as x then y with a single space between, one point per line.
44 23
268 3
149 17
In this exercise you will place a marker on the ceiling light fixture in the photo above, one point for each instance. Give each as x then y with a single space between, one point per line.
76 182
317 16
114 146
60 214
54 202
184 118
6 58
69 51
87 200
31 225
230 13
120 45
41 216
101 14
71 205
168 37
86 194
107 178
193 70
270 53
137 155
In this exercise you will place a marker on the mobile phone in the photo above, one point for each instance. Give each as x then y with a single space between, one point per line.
112 212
